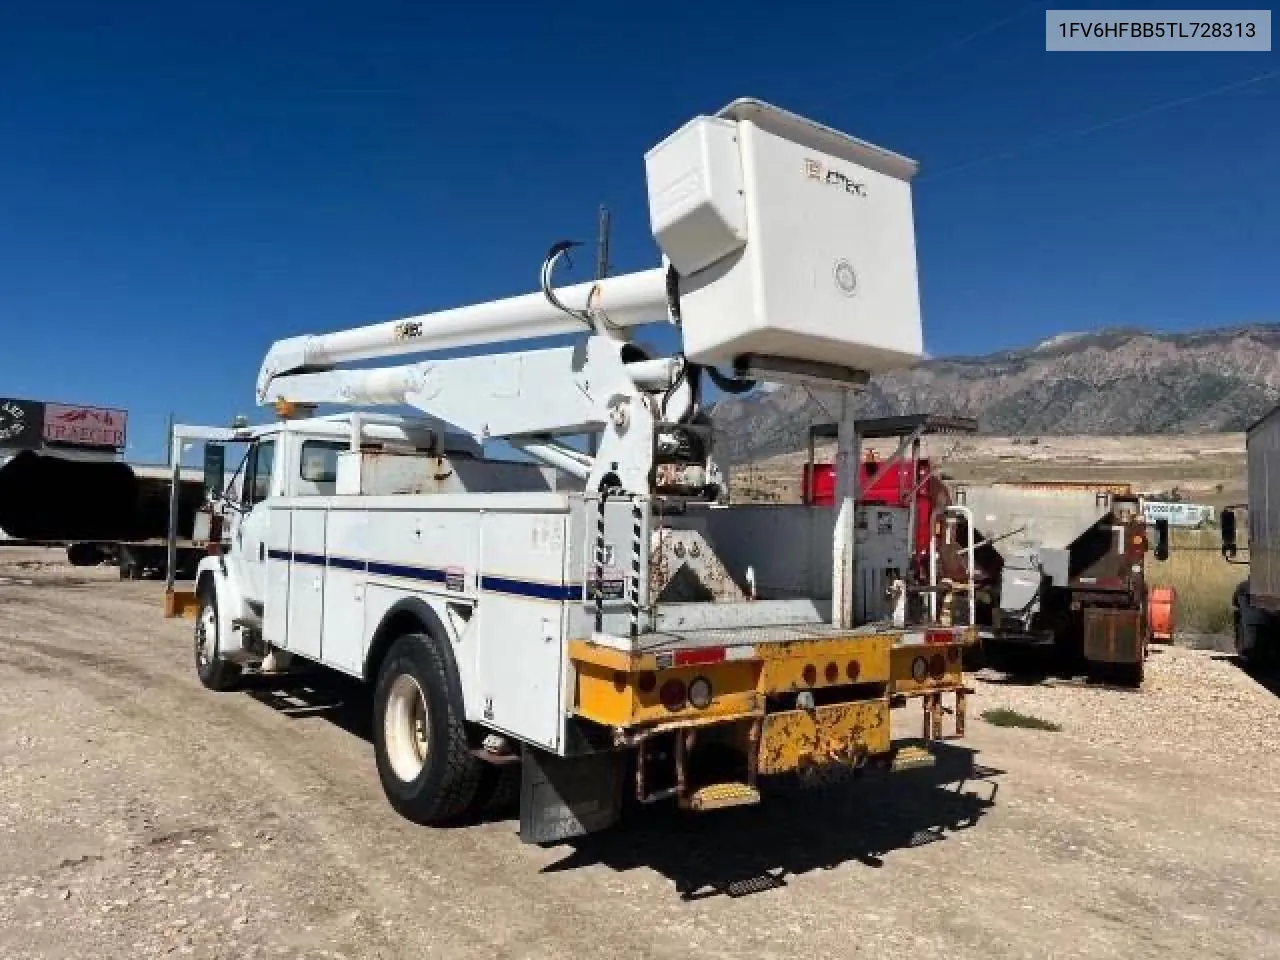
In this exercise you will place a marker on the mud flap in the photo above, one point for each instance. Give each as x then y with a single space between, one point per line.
1113 636
566 797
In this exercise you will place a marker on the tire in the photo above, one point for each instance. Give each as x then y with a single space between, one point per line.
214 672
1130 675
420 737
499 791
84 554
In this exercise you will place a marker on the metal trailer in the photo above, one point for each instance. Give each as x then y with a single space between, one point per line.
102 510
1256 601
1053 569
627 628
137 559
1063 570
145 555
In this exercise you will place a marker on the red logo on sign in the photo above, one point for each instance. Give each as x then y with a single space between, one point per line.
84 426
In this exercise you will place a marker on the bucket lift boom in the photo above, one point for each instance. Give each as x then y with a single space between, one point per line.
788 250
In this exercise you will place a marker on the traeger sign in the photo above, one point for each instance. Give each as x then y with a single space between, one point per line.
75 426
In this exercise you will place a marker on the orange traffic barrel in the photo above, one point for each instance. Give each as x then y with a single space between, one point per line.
1160 607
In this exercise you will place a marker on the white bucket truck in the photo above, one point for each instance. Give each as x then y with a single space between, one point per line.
610 623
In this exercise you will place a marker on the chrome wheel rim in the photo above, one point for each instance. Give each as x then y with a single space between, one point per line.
404 728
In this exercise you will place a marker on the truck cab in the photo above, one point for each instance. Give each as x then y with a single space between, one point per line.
282 460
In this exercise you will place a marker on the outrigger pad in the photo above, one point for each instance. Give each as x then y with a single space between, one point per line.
566 797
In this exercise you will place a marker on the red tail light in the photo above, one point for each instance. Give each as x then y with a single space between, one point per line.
853 670
937 665
699 657
648 681
810 674
672 694
832 673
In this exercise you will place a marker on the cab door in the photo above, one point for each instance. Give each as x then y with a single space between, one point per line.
251 534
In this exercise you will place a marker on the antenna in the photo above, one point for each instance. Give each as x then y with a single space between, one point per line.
602 271
602 244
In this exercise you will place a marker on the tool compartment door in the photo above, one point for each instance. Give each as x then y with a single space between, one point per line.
275 597
522 616
344 588
306 582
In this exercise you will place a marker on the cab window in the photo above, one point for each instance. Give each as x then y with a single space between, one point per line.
257 480
318 466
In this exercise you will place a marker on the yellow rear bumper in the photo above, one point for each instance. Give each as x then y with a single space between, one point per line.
793 706
843 734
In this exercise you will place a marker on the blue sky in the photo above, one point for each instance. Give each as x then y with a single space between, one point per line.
182 184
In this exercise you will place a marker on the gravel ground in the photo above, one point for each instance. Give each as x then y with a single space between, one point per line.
142 816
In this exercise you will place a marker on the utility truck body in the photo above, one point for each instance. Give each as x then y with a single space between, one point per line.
588 622
1256 601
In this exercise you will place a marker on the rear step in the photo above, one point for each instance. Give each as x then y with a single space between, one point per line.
718 796
911 758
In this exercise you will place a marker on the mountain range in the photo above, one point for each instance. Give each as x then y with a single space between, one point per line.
1115 381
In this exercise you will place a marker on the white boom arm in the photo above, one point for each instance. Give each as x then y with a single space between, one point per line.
615 303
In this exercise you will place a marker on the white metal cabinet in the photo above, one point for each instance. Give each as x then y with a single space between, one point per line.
306 582
343 633
275 597
522 601
882 554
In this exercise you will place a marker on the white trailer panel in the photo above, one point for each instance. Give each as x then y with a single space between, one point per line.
1262 443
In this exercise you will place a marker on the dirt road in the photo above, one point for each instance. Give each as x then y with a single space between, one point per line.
142 816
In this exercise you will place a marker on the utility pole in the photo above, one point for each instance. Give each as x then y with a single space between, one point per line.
602 271
168 440
602 244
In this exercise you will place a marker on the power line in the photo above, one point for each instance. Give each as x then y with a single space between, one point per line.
929 58
1048 141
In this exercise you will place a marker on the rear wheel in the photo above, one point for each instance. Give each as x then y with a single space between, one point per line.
499 791
1129 674
420 738
214 671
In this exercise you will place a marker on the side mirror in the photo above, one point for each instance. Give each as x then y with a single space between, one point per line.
1161 548
215 470
1228 524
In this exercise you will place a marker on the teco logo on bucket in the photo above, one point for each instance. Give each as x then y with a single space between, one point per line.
84 426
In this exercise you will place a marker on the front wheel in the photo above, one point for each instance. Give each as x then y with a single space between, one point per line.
420 738
214 671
